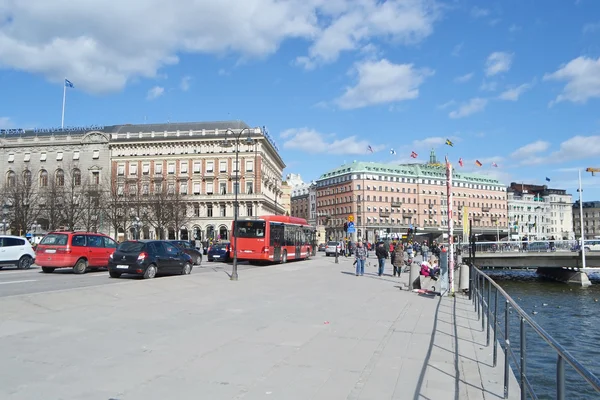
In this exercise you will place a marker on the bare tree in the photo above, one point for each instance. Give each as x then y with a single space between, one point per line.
51 201
73 194
158 213
178 208
115 207
93 207
20 194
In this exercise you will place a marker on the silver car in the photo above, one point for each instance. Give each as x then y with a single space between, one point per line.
332 248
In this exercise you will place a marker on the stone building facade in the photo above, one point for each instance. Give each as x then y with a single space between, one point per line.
195 163
391 198
538 212
591 219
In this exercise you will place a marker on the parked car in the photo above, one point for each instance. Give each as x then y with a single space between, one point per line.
188 249
149 258
219 251
322 247
332 248
77 250
16 251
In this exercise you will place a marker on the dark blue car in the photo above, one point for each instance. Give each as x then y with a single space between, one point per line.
219 251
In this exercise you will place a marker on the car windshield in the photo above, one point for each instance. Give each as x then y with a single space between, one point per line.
219 246
251 229
332 243
131 247
55 239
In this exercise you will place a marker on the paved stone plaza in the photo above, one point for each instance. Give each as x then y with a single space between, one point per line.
305 330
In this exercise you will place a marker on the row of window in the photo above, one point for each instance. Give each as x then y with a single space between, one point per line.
132 189
59 156
398 179
183 167
59 177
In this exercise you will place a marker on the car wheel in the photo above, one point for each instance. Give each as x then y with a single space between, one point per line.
150 272
198 260
284 257
80 267
48 270
187 269
114 274
25 262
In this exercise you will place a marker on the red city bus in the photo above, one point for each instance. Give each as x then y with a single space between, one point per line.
273 238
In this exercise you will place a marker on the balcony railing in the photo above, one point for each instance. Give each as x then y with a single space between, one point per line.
384 214
396 204
485 209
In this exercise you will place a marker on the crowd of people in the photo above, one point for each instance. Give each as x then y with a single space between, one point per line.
400 254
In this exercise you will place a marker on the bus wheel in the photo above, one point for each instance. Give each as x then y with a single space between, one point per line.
284 257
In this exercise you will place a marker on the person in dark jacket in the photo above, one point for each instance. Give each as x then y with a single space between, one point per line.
381 254
398 258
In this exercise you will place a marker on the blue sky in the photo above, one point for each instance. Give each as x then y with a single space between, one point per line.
515 82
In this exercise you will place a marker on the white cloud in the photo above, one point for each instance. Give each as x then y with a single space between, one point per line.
464 78
311 141
477 12
514 28
473 106
382 82
577 148
498 62
514 93
457 49
5 122
490 86
591 28
155 92
583 80
447 104
185 83
354 23
429 142
531 149
79 40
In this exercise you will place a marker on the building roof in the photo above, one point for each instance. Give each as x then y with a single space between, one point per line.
410 170
527 188
587 204
124 128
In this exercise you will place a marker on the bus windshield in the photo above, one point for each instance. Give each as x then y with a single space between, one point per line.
250 229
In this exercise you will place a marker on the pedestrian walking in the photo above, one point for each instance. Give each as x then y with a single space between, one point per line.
425 250
381 254
360 255
398 259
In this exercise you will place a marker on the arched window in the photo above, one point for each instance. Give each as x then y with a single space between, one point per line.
11 179
76 177
43 178
60 177
27 176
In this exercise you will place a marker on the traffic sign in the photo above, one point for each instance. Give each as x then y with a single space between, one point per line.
350 218
350 225
351 230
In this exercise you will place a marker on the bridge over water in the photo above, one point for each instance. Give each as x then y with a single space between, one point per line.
562 266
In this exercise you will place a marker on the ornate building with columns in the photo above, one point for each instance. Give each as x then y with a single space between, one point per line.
171 181
390 198
195 164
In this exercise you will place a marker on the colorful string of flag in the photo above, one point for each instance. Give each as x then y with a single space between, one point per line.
448 142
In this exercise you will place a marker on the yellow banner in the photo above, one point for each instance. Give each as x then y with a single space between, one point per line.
465 222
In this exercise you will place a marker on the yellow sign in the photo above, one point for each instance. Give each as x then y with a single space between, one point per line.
465 223
350 218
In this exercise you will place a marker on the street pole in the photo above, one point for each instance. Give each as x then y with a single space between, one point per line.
450 227
580 190
234 270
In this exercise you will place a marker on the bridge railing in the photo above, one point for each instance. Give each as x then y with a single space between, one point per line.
486 294
533 246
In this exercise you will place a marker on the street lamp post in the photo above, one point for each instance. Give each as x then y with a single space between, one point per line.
234 270
582 248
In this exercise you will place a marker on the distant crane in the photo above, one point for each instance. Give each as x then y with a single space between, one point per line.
593 170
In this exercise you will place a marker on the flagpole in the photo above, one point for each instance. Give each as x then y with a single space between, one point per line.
62 121
450 227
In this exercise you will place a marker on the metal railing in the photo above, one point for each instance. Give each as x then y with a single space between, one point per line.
482 295
531 246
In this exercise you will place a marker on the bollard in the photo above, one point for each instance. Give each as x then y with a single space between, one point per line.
444 271
464 277
415 271
336 256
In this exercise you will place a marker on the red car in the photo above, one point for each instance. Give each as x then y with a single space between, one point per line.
77 250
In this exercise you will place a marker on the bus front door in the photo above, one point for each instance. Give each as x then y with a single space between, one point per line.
276 240
298 243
